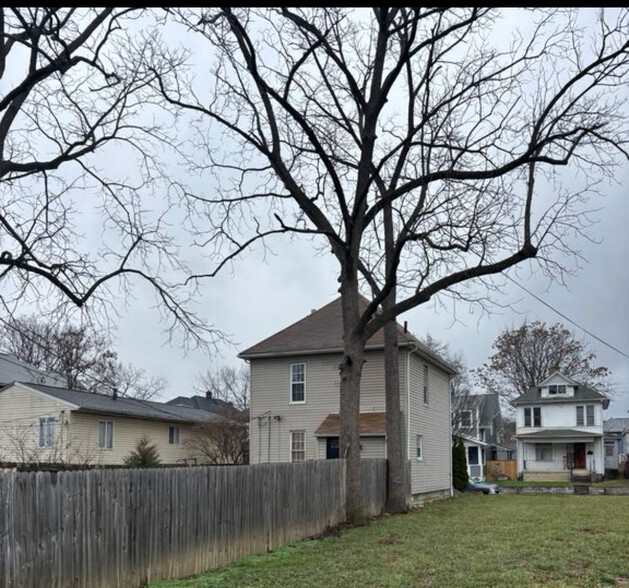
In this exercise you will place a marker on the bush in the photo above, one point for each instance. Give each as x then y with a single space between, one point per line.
145 455
459 465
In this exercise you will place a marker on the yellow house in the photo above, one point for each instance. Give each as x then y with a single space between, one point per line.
41 423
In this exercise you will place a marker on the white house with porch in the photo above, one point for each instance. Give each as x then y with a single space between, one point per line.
559 430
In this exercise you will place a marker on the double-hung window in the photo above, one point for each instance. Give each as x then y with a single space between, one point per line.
466 418
106 434
173 435
533 416
554 389
47 431
585 416
297 445
298 383
543 452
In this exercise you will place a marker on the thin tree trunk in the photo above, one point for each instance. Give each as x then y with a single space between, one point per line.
351 371
396 497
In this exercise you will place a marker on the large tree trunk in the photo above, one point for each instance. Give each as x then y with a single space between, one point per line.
351 370
396 496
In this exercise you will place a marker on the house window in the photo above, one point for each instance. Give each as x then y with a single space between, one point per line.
537 416
466 418
543 452
580 420
173 435
527 417
297 445
609 450
298 383
589 413
481 434
420 449
556 389
585 416
426 384
47 431
105 434
472 455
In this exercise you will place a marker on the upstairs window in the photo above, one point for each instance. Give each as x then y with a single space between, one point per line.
580 419
589 415
527 417
556 389
47 431
466 418
298 383
536 414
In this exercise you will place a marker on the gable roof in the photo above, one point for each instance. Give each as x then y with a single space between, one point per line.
13 369
534 396
322 332
616 425
129 407
200 403
488 406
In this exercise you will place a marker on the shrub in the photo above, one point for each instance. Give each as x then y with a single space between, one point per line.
459 464
145 455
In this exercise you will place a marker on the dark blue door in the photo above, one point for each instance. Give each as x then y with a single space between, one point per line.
332 448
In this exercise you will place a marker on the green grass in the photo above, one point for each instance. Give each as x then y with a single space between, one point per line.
469 541
619 483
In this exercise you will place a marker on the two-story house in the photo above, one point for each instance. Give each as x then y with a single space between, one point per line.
559 430
477 420
295 386
616 431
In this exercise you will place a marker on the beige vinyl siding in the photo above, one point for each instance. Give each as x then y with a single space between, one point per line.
127 432
432 422
273 417
20 411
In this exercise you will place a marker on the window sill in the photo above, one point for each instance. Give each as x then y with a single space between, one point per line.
296 402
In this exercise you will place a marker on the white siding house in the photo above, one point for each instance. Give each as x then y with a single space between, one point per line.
559 430
295 385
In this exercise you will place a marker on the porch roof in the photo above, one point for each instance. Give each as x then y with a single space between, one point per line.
561 434
370 424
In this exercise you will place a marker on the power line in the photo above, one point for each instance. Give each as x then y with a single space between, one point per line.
561 314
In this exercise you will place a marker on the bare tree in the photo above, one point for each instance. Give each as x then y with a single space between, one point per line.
78 135
525 356
227 383
327 118
83 356
224 440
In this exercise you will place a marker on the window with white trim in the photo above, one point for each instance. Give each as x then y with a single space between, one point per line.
173 435
589 415
419 448
543 452
536 414
580 419
297 445
554 389
609 449
426 385
298 383
47 431
106 434
466 418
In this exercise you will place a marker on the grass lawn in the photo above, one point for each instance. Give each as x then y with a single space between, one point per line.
472 540
621 482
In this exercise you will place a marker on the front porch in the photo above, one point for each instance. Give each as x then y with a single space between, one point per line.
553 459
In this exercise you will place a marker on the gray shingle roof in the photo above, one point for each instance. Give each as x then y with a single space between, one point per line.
200 402
533 396
143 409
322 332
16 370
564 433
616 425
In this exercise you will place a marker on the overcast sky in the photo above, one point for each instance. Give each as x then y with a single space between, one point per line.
263 294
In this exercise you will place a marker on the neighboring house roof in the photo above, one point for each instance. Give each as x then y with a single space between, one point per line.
557 433
129 407
616 425
369 423
16 370
581 393
322 332
201 403
488 406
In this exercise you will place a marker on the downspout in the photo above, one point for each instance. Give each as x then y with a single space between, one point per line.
451 444
408 404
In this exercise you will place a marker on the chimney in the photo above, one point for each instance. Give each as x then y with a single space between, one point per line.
115 394
406 326
208 394
553 368
313 310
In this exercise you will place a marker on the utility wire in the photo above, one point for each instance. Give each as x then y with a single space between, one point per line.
561 314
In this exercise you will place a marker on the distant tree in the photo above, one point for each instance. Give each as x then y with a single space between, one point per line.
224 440
227 383
524 356
459 465
145 455
82 355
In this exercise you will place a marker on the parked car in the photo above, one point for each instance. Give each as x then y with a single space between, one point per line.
484 487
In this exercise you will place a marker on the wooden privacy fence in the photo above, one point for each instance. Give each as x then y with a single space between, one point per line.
499 470
124 528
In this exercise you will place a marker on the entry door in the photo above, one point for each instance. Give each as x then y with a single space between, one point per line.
332 448
579 455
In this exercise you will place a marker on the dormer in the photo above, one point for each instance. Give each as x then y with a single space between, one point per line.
557 386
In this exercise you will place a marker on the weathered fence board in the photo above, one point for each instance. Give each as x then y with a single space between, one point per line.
124 528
